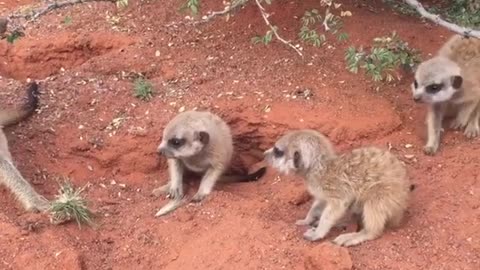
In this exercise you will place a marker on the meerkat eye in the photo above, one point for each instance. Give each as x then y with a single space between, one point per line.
434 88
277 152
415 84
176 143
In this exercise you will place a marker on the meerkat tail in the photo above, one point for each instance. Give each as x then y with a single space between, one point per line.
171 206
13 116
244 178
13 180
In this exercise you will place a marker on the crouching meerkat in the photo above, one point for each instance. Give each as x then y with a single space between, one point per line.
200 142
368 183
9 175
449 83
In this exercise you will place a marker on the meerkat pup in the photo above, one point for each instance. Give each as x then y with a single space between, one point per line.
9 175
368 182
449 84
201 142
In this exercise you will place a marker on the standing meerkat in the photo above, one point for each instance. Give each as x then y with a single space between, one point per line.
9 175
449 84
368 183
201 142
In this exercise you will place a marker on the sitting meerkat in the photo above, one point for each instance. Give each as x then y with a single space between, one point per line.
369 183
201 142
449 83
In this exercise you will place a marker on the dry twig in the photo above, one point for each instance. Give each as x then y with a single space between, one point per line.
468 32
233 5
36 13
274 30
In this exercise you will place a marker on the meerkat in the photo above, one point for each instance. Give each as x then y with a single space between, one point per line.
9 175
449 83
367 183
200 142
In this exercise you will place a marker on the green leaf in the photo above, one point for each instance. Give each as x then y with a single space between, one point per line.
14 36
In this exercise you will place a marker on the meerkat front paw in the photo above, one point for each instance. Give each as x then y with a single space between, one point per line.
312 235
198 197
430 149
457 124
348 239
472 130
175 193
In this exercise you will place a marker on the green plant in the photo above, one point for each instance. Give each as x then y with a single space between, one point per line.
386 55
121 3
143 89
308 35
311 19
193 5
401 7
67 20
311 36
266 39
70 204
460 12
12 37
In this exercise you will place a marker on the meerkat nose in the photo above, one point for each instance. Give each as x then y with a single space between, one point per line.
161 150
417 99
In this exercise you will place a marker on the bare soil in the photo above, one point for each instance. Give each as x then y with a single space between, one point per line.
85 69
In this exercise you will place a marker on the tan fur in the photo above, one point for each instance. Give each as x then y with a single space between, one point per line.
9 175
206 147
368 182
459 57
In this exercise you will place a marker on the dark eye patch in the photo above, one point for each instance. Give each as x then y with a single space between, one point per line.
296 159
176 143
277 152
434 88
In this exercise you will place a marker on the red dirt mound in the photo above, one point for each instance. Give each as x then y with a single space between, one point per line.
38 58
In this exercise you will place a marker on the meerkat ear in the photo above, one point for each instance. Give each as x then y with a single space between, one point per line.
203 137
457 81
296 159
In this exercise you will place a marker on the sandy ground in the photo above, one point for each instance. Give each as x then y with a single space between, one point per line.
84 69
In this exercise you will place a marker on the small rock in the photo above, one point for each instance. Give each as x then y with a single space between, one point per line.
328 256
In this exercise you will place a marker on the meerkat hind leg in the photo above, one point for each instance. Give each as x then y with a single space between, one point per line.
332 214
313 214
374 220
207 183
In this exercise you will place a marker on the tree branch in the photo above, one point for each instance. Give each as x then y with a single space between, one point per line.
233 5
274 30
467 32
36 13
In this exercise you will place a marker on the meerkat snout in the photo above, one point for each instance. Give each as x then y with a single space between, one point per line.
162 150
